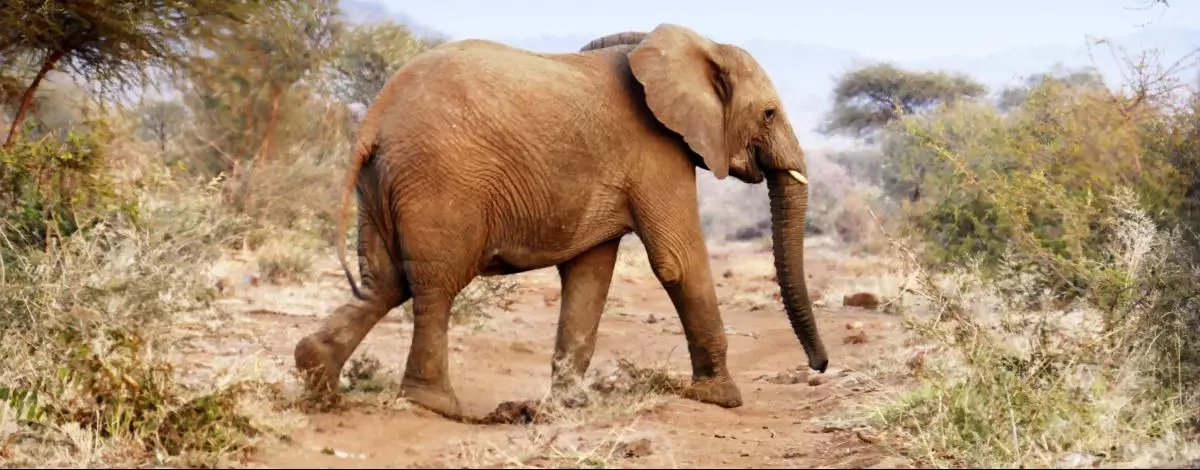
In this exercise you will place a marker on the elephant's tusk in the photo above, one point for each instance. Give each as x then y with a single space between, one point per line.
799 177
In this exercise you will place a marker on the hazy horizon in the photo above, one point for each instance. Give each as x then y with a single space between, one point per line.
902 31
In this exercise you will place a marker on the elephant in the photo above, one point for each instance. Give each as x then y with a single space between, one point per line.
482 159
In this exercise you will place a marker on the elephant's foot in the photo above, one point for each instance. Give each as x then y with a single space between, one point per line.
570 398
720 391
439 399
318 368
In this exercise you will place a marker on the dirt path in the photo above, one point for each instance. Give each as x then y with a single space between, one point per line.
785 422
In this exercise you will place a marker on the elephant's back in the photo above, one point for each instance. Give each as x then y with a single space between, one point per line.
481 95
483 74
518 138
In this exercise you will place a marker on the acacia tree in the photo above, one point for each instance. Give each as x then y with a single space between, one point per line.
108 42
240 85
1086 78
867 98
367 57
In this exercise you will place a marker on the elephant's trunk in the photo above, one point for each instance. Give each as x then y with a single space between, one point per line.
789 203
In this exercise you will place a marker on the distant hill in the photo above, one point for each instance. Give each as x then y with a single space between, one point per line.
1007 66
804 73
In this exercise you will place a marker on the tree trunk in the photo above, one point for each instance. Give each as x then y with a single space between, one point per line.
272 123
265 147
27 98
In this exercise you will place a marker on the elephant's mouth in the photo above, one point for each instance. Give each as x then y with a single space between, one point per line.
754 165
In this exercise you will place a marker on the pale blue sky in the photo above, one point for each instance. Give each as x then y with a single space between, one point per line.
892 29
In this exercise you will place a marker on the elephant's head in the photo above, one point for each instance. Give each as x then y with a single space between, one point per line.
721 102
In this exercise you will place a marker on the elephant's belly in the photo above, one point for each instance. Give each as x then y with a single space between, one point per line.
516 260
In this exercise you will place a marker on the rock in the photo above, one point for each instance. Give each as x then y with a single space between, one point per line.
867 436
854 325
513 412
224 284
635 448
856 338
1076 460
551 296
865 300
728 274
788 377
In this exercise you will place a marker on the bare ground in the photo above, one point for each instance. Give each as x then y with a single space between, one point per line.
786 421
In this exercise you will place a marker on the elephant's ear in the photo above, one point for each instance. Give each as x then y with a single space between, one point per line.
686 89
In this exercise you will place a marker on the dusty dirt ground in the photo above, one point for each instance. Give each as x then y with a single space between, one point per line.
786 420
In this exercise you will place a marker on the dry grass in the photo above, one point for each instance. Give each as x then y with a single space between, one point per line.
599 435
286 257
1005 386
85 375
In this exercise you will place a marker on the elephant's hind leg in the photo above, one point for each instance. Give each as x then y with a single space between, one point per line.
321 355
585 284
436 274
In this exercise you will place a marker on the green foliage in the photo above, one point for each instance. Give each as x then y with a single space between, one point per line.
83 330
1087 78
1071 329
241 91
367 57
110 41
482 294
866 99
1022 386
161 122
1038 175
56 185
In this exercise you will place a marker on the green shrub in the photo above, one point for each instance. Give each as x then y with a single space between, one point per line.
57 184
1071 329
1036 175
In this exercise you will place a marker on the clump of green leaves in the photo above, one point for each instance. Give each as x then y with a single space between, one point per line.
1068 334
56 185
1038 175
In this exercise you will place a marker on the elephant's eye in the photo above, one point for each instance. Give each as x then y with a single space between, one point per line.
769 114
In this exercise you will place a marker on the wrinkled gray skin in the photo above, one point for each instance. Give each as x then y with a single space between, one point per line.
480 159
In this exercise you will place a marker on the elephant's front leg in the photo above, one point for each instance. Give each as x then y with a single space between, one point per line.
675 246
585 283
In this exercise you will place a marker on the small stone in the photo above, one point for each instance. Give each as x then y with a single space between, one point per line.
854 325
728 274
651 319
857 338
635 448
861 299
868 437
551 297
1076 460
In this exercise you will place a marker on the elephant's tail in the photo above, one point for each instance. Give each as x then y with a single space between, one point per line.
364 150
